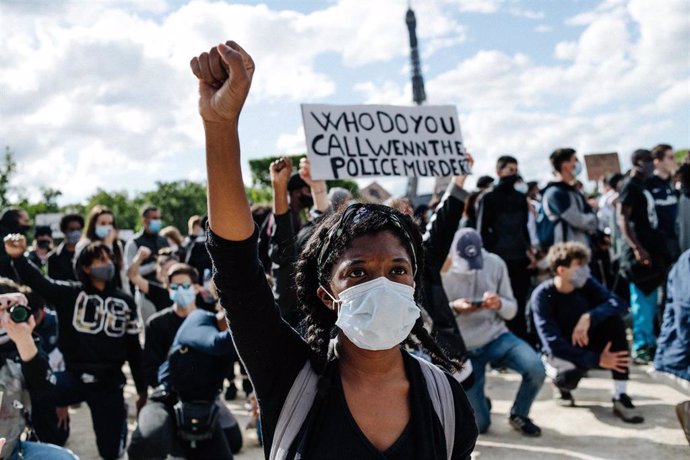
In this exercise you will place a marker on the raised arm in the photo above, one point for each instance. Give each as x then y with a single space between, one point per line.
318 187
134 272
225 76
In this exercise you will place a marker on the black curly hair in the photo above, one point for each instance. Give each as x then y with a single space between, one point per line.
320 320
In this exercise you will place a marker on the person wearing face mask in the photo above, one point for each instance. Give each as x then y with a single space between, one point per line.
12 220
481 297
665 196
61 259
98 331
580 324
644 260
149 237
101 226
348 390
502 222
565 214
41 247
153 437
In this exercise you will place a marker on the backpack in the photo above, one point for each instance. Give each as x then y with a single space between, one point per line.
546 225
303 391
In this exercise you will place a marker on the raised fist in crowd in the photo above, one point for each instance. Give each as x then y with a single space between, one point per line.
15 245
225 76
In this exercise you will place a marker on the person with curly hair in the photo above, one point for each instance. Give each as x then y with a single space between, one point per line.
358 282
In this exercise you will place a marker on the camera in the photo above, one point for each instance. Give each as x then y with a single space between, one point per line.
20 313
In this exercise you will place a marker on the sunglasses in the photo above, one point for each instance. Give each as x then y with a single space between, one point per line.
353 214
176 286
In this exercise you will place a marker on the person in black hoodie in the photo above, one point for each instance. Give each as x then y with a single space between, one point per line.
371 399
13 220
99 329
502 224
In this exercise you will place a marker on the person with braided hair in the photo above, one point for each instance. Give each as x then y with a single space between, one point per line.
349 390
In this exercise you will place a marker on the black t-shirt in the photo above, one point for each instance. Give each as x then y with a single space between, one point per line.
666 203
274 353
61 264
643 213
160 333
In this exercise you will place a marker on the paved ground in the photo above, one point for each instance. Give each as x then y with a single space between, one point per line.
587 432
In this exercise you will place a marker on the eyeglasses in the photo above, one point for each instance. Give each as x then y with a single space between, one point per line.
353 214
176 286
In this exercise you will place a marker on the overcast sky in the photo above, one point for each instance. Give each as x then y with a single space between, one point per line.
99 93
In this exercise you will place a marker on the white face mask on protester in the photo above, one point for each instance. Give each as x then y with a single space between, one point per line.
580 276
378 314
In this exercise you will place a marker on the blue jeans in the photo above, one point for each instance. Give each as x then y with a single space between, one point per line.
643 308
40 451
507 350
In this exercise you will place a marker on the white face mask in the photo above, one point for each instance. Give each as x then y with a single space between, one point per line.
521 187
378 314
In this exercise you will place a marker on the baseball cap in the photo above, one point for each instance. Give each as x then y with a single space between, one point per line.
469 247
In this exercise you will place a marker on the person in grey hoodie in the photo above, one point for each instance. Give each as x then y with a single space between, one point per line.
478 287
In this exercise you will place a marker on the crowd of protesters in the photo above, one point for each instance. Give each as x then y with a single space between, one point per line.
361 330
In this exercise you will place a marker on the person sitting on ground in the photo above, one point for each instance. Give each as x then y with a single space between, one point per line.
580 324
673 345
368 398
152 437
99 331
478 287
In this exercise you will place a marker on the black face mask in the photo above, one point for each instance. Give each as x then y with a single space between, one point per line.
510 180
43 244
24 229
306 201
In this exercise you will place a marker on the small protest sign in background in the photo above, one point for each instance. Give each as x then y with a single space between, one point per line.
383 140
601 164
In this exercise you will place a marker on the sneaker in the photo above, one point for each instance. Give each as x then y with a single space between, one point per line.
683 413
563 398
624 408
524 425
642 356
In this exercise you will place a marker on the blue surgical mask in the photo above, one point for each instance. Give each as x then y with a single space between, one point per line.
378 314
73 237
155 225
578 169
183 296
103 231
521 187
580 277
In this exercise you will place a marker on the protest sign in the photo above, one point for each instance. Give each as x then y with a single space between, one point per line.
383 140
601 164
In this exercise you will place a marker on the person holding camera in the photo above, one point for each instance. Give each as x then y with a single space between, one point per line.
99 331
482 299
23 372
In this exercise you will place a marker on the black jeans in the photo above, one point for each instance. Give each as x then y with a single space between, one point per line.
567 375
107 405
155 438
520 281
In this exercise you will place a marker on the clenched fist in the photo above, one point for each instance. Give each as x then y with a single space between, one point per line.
225 76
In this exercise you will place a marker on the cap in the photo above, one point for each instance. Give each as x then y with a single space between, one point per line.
469 247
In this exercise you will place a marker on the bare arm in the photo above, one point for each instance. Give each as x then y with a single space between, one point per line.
133 272
318 187
623 213
220 102
280 175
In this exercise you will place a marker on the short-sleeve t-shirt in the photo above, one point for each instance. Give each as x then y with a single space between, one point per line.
643 215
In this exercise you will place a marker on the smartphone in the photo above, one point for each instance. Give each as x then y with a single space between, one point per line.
477 303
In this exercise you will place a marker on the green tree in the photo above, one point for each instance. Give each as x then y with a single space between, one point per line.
124 208
7 169
177 201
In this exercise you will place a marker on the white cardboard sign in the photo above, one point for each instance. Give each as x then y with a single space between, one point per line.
383 140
